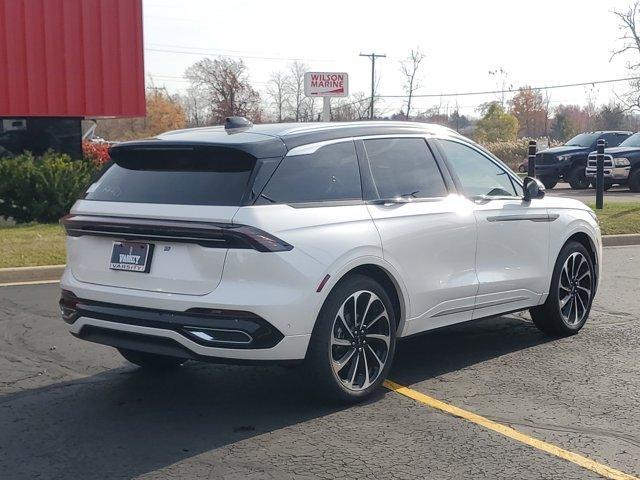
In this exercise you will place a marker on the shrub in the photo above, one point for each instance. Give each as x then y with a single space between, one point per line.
41 188
512 152
96 152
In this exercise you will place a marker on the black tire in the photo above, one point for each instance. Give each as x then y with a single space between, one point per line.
151 360
634 181
320 360
550 317
577 178
549 182
607 186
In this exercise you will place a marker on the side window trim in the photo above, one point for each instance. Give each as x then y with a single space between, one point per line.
514 182
369 189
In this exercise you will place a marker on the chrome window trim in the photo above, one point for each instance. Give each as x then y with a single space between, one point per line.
310 148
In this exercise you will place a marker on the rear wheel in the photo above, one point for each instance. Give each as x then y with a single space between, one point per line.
353 342
549 182
151 360
577 178
572 288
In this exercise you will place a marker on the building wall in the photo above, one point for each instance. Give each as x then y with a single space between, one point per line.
71 58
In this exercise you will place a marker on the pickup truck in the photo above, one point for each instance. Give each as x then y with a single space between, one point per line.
568 162
621 164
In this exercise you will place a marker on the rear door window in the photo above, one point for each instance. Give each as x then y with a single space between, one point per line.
404 167
208 176
328 174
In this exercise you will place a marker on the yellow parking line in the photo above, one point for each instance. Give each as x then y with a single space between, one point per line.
34 282
584 462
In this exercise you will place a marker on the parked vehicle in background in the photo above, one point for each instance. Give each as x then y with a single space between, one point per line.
568 162
621 164
316 243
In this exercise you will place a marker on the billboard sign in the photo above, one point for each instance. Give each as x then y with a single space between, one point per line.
326 84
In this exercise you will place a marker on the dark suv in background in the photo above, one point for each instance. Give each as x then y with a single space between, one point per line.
621 164
568 162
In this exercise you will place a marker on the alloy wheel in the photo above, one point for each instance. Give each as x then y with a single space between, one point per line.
574 289
360 340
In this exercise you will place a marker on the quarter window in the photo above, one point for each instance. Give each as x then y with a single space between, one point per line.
478 175
329 174
404 167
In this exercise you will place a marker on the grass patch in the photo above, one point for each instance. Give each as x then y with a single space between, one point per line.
618 217
43 244
31 245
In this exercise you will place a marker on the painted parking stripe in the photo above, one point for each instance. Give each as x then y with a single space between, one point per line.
34 282
583 462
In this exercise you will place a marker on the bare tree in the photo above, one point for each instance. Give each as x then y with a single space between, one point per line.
195 107
225 86
630 39
279 92
502 83
409 69
354 107
296 74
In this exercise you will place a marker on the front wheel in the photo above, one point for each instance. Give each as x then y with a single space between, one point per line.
151 360
572 289
353 341
634 181
577 178
549 182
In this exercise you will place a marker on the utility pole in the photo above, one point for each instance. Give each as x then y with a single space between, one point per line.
373 57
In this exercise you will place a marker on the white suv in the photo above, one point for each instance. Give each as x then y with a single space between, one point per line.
316 243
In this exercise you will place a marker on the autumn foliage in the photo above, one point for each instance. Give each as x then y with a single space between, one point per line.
96 152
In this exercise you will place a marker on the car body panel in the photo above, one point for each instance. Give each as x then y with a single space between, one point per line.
450 259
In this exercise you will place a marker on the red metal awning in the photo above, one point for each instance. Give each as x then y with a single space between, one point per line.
71 58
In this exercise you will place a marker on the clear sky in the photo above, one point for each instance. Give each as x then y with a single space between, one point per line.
538 43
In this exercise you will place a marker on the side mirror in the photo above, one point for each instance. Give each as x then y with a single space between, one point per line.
533 188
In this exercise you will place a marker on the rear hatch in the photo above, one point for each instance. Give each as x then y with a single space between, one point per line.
158 219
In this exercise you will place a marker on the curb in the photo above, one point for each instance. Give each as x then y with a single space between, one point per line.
620 240
54 272
28 274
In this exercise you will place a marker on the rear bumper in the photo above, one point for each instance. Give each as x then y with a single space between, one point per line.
170 342
291 312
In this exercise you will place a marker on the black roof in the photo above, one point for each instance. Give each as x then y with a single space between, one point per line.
275 139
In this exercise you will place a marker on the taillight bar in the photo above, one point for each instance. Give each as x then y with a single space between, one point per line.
206 234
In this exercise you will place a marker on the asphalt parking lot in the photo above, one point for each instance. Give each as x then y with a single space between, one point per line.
614 194
70 409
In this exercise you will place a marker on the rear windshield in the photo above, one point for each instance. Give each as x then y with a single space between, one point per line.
185 176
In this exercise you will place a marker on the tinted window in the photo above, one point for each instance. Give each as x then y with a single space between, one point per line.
404 167
632 141
583 140
477 174
614 139
182 177
328 174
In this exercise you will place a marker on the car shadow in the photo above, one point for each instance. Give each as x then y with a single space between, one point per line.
125 422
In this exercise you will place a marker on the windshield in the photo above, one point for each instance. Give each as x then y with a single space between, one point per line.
583 140
632 141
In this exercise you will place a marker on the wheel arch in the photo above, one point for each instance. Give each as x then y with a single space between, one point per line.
384 274
586 240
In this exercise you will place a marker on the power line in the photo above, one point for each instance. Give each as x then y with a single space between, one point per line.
250 57
373 57
514 90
